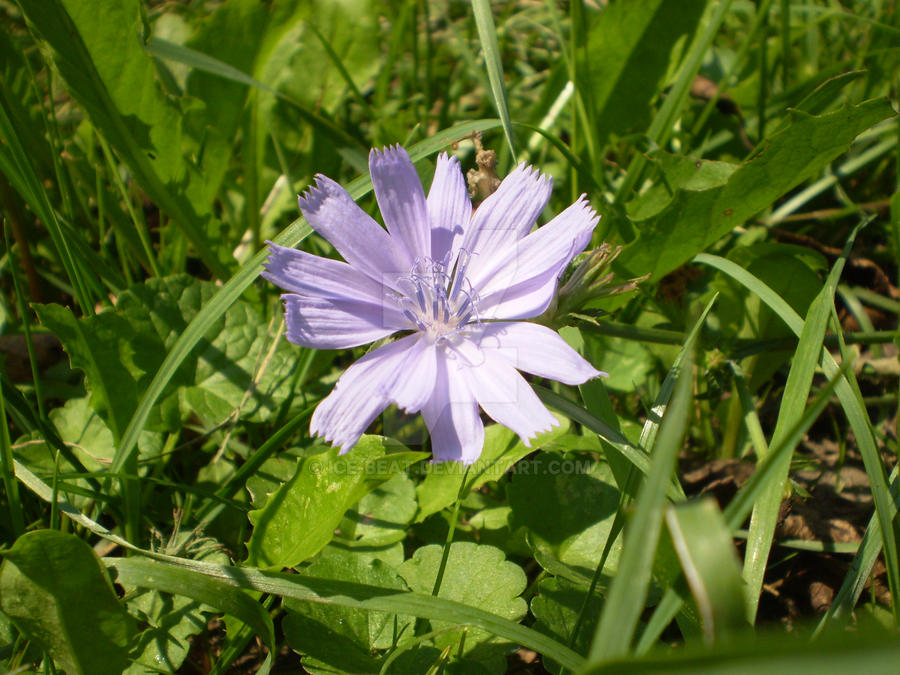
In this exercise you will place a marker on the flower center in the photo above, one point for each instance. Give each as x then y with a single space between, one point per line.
437 302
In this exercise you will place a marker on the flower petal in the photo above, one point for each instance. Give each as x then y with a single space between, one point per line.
330 323
502 393
451 414
449 209
535 349
332 213
401 200
359 395
521 283
505 217
415 377
315 276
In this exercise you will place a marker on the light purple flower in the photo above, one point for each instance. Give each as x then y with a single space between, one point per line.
455 281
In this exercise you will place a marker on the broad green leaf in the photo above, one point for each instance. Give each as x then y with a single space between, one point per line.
382 517
678 173
476 575
566 503
557 606
98 48
344 638
502 449
209 591
299 519
694 219
88 438
55 590
120 349
171 620
626 58
704 546
269 476
108 348
628 362
791 271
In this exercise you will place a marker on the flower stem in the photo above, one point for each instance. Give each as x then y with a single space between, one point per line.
450 533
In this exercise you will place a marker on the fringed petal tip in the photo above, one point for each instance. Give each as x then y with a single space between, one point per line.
531 177
389 153
526 441
276 259
311 199
448 158
589 210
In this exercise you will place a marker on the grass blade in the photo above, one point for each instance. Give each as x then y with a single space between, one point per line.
793 402
16 165
487 33
628 591
702 541
853 407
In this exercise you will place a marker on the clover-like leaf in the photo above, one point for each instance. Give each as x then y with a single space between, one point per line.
475 575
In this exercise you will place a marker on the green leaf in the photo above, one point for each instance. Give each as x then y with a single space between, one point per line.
344 638
108 348
702 541
299 519
693 219
171 620
475 575
791 271
627 55
210 591
381 518
502 449
90 443
54 588
627 361
566 504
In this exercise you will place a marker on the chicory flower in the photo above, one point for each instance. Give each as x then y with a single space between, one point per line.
455 283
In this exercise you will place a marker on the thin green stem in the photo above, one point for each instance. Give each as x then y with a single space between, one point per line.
26 327
446 553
